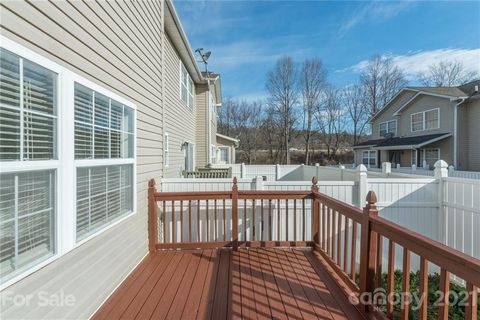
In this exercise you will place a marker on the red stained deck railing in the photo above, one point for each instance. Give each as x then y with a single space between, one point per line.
339 231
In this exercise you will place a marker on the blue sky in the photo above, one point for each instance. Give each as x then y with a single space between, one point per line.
246 37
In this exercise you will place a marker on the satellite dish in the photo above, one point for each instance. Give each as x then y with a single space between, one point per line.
206 55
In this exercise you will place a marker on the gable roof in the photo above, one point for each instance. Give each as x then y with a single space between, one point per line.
463 91
447 91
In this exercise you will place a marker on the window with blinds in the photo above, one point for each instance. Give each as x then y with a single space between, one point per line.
27 220
104 194
103 131
35 175
27 109
28 125
103 126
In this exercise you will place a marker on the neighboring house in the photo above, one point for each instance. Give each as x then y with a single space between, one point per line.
92 106
191 102
226 149
421 125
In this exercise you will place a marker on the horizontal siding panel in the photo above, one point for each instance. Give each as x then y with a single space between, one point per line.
51 39
119 49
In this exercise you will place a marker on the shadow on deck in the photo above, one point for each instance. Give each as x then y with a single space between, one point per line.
224 284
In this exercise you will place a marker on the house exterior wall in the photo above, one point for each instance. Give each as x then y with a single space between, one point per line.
179 119
463 147
120 50
473 135
222 142
388 114
423 103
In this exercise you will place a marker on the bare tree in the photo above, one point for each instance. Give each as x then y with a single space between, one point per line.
250 120
269 132
312 81
331 119
227 114
283 95
447 73
381 80
353 98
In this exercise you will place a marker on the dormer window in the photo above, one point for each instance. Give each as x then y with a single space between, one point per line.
388 127
425 120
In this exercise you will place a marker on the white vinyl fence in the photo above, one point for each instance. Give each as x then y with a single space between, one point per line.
461 213
443 208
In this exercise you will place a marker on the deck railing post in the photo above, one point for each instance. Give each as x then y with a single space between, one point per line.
152 217
235 214
368 248
315 213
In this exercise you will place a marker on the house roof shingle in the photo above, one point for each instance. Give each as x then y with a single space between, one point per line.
401 141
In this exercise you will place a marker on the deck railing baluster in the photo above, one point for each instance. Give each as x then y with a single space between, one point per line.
328 223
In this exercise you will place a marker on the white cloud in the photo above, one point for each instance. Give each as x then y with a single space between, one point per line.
376 11
417 62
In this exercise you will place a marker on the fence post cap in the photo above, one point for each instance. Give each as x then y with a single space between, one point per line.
371 197
362 168
441 164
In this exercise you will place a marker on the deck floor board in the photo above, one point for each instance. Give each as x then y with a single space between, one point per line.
257 283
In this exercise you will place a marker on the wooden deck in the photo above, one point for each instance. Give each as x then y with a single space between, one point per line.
224 284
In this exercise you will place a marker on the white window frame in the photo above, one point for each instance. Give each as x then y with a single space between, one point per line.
424 120
369 152
431 149
65 165
166 149
82 163
213 154
220 148
387 123
190 91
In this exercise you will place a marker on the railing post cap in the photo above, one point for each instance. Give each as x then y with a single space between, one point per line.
151 183
441 164
371 197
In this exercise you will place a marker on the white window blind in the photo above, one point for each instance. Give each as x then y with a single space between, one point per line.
103 126
27 220
104 194
104 130
28 129
27 109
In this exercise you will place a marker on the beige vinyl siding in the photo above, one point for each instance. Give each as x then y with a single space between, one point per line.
388 113
463 148
119 48
179 119
473 135
202 146
424 103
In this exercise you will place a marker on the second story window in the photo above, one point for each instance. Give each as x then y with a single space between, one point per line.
425 120
186 87
388 127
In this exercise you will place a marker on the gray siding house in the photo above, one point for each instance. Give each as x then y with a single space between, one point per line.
96 98
421 125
